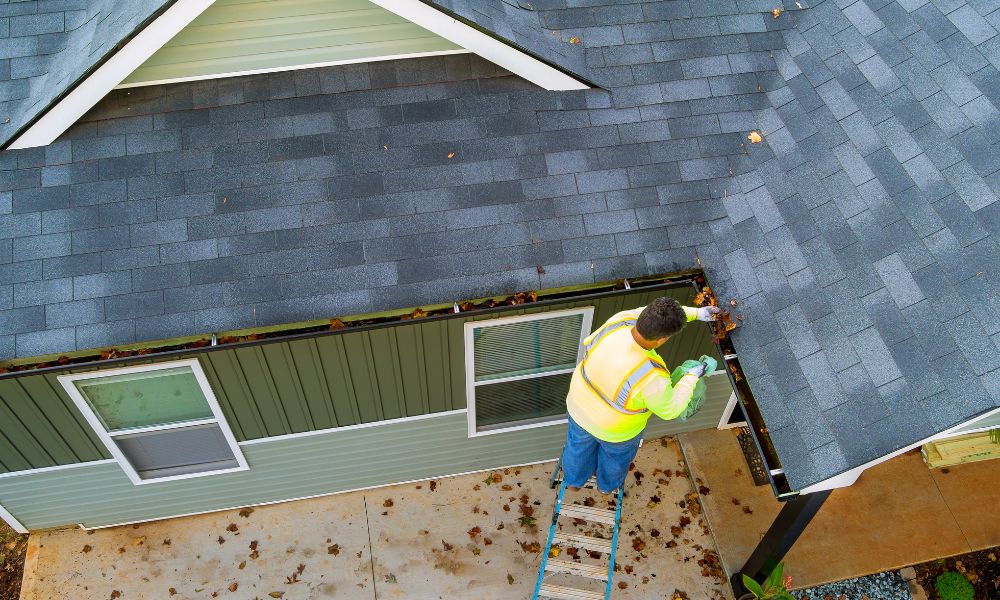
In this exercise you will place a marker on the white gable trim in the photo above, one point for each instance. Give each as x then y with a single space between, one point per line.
91 90
490 48
849 477
58 118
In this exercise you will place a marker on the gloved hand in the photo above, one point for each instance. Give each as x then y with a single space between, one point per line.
706 364
708 313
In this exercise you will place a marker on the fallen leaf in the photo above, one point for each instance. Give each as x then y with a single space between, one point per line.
575 41
654 532
221 540
277 594
531 547
526 521
510 579
242 565
446 545
554 551
638 545
172 591
776 13
167 542
476 551
233 586
487 541
300 569
755 137
232 528
139 540
434 485
391 578
451 155
334 549
387 503
87 548
246 512
622 585
704 491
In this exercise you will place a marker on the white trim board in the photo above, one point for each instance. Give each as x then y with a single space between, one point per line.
490 48
850 476
14 523
292 68
96 86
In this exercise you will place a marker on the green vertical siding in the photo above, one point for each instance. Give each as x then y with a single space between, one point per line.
323 463
234 36
283 387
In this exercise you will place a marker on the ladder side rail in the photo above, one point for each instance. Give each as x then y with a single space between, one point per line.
614 543
548 544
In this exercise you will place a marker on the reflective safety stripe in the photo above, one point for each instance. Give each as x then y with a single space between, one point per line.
590 384
608 328
635 377
644 369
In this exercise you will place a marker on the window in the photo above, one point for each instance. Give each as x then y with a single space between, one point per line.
160 421
518 369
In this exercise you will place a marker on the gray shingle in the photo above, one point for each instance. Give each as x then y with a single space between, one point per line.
843 244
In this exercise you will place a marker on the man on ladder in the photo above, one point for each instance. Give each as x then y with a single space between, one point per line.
618 384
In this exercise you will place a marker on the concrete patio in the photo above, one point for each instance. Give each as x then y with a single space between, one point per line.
898 513
454 538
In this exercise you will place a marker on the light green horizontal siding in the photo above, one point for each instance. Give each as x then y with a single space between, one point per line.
234 36
323 463
992 422
410 369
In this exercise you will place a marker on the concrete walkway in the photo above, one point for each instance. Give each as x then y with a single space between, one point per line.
454 538
898 513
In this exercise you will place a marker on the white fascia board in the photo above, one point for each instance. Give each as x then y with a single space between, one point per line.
849 477
488 47
91 90
14 523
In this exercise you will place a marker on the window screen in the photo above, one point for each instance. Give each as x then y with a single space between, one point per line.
160 421
518 369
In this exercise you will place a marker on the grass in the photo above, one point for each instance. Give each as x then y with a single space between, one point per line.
12 549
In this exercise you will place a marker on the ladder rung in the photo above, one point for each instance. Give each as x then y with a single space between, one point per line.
588 513
574 568
558 592
587 542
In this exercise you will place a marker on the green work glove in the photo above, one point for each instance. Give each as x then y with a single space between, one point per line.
710 363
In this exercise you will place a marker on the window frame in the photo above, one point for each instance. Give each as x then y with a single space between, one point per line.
218 418
587 312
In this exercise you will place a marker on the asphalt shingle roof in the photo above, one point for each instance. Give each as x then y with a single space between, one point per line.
48 45
860 238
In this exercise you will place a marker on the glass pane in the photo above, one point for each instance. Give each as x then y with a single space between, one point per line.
503 404
147 398
527 347
182 451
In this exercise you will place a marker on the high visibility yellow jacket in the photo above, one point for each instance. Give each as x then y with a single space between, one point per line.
618 384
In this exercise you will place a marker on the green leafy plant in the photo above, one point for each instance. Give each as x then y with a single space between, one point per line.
773 588
951 585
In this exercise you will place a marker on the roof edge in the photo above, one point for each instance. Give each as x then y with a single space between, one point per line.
488 44
80 96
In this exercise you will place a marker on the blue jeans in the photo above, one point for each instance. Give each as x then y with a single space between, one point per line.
584 454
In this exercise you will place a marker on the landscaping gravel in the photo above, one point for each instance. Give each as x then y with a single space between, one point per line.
880 586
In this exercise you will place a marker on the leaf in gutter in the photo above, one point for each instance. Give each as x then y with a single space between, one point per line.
776 13
755 137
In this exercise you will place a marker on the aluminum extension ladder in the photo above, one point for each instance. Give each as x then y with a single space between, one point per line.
585 542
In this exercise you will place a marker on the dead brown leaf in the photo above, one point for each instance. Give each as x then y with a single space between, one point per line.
387 503
233 586
277 594
474 532
334 549
246 512
232 528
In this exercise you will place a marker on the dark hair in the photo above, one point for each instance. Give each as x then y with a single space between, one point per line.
663 317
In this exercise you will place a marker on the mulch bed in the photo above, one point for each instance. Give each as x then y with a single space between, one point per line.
981 568
12 549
